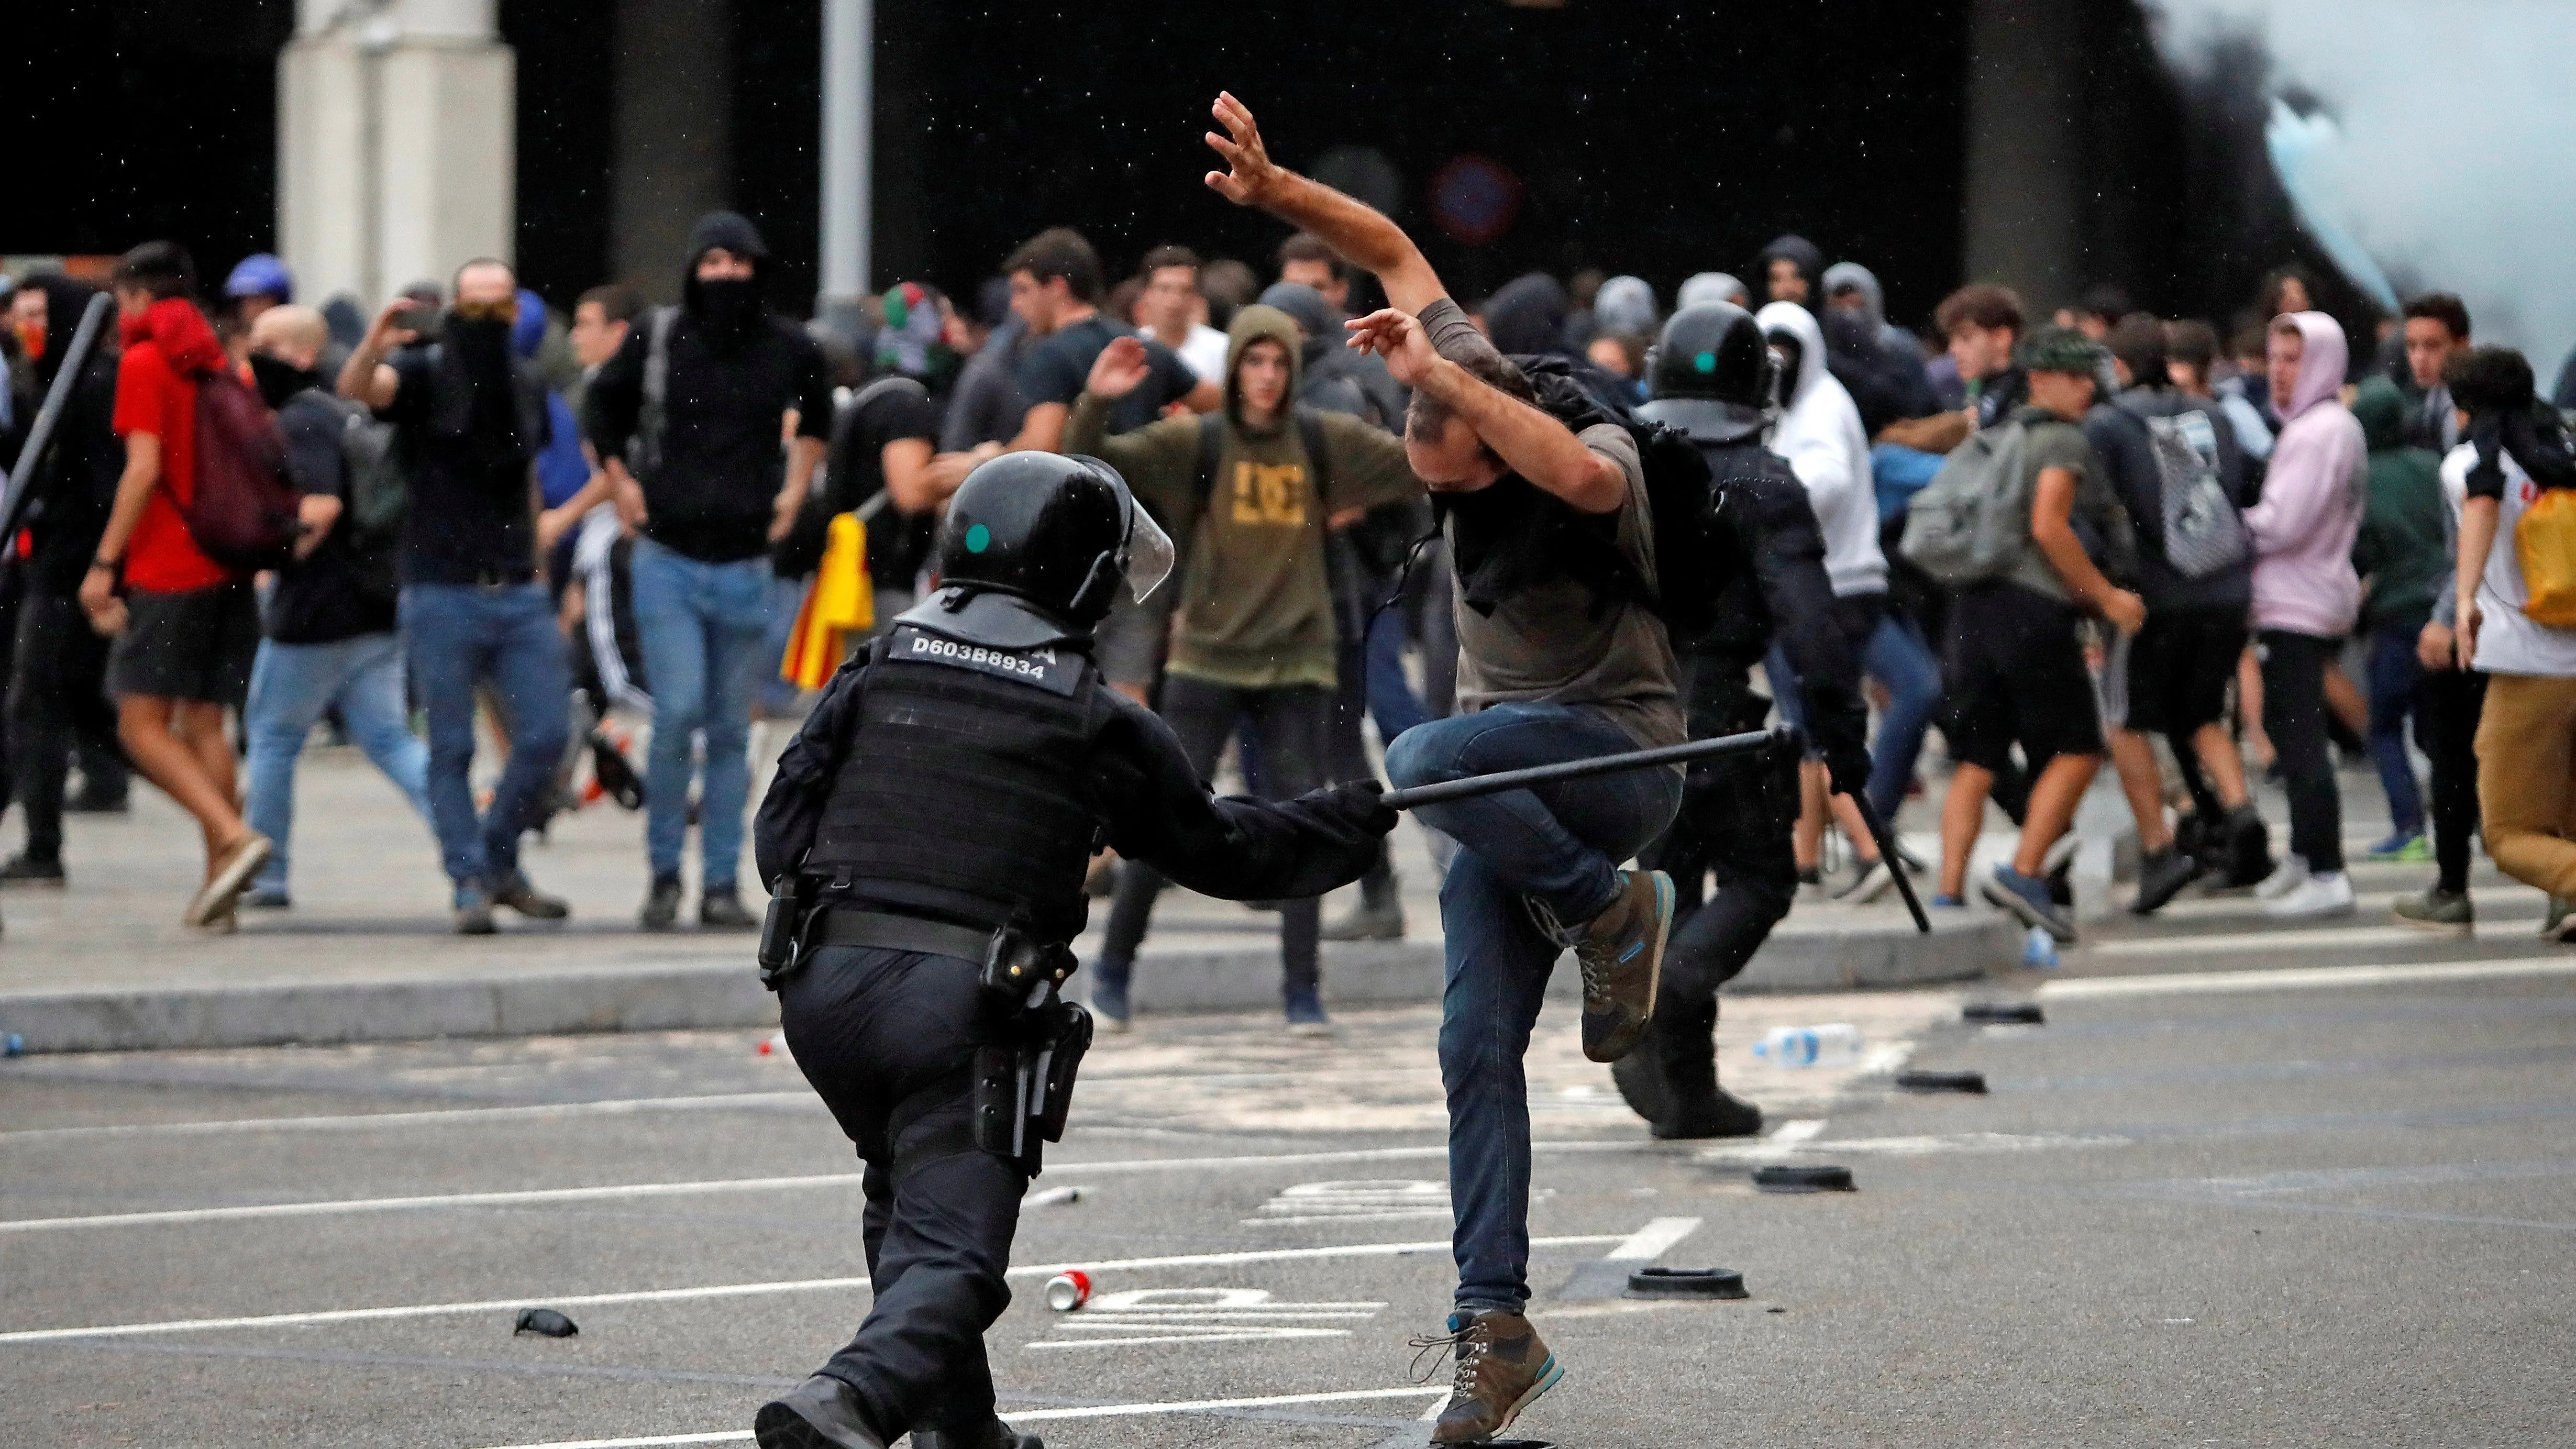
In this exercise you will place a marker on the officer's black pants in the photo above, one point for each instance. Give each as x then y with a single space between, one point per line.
881 1034
1734 825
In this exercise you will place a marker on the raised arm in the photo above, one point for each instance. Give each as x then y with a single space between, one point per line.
1359 232
1530 443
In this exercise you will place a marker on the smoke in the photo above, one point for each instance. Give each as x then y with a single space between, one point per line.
2437 140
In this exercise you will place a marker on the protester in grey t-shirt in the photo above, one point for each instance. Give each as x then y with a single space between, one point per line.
1548 671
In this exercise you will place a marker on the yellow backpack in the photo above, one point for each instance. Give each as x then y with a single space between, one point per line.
2544 541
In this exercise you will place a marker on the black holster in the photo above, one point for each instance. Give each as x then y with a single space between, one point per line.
782 930
1024 1082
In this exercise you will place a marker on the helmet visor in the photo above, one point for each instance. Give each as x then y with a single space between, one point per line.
1146 558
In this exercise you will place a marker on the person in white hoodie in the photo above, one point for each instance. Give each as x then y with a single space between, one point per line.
2306 597
1820 433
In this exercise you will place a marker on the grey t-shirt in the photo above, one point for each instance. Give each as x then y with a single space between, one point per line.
2056 443
1545 645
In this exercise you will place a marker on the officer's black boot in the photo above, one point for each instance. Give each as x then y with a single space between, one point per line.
1682 1043
996 1435
820 1413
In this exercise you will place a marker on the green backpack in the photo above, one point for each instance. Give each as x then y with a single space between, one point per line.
1971 523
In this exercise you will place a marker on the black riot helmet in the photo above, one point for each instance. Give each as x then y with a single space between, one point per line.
1711 373
1059 531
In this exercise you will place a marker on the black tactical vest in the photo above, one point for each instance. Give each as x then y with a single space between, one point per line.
965 792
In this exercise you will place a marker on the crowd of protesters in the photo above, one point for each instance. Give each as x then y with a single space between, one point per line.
537 532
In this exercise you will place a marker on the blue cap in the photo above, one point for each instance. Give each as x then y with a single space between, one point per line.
261 274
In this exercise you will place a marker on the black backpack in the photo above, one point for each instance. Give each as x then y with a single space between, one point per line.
1687 584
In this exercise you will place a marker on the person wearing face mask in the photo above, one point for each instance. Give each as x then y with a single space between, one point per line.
329 617
57 679
469 419
696 466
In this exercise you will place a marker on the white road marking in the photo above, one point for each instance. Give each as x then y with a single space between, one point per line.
2293 978
1760 1152
1795 1131
1649 1242
1031 1416
744 1290
442 1117
1254 1335
619 1191
2343 938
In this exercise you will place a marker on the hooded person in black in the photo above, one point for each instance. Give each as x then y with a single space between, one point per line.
1791 269
1527 316
699 472
57 700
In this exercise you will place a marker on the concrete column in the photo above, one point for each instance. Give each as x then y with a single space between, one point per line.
397 140
2026 164
674 135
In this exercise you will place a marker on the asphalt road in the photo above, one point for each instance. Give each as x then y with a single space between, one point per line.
2328 1203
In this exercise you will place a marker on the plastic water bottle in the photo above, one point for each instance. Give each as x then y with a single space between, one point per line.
2039 950
12 1045
1836 1044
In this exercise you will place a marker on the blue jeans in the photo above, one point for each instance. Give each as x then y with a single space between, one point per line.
1897 657
291 685
1560 844
1894 655
704 628
2394 672
456 636
1391 700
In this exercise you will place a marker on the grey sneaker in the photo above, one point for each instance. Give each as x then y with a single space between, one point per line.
2556 926
515 891
1366 922
474 910
1621 955
2027 897
661 910
2436 910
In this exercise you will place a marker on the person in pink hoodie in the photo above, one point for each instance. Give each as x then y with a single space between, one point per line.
2306 596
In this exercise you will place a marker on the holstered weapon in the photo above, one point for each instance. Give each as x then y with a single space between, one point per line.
1024 1083
782 930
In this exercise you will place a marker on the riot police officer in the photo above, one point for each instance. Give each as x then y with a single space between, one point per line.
1712 377
926 839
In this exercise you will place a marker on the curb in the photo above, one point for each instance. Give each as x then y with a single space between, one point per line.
1839 953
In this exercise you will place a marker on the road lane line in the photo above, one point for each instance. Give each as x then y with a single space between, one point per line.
539 1196
2295 978
2278 940
437 1117
1649 1242
750 1290
1032 1416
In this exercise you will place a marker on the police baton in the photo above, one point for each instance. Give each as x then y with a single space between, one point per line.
1471 786
1895 863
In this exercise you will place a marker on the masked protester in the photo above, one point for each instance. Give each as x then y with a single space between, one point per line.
469 419
925 842
697 469
57 680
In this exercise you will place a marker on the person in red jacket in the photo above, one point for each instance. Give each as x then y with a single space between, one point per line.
186 628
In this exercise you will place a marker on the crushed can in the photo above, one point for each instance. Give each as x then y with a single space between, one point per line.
1066 1292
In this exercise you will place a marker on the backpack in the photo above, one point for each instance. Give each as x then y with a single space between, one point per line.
2544 543
1971 523
379 494
241 511
2202 532
1685 595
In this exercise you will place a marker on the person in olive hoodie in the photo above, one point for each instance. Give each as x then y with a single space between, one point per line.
2403 554
1254 640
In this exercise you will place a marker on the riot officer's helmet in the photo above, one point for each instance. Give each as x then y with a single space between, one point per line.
1712 350
1061 531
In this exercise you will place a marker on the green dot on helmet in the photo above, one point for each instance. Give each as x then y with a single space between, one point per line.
1705 362
978 539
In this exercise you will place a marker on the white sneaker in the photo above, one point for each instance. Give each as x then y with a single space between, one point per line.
2315 896
2286 877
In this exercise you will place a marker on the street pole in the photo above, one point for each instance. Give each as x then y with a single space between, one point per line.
849 40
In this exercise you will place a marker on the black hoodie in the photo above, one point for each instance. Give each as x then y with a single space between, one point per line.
735 370
72 493
1798 252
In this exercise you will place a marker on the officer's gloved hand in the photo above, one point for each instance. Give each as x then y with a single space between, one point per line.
1841 735
1359 804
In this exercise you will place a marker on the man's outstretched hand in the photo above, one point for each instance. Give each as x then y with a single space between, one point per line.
1398 338
1252 175
1119 368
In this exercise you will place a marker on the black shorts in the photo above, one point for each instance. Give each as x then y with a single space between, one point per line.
2014 670
2180 665
195 645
